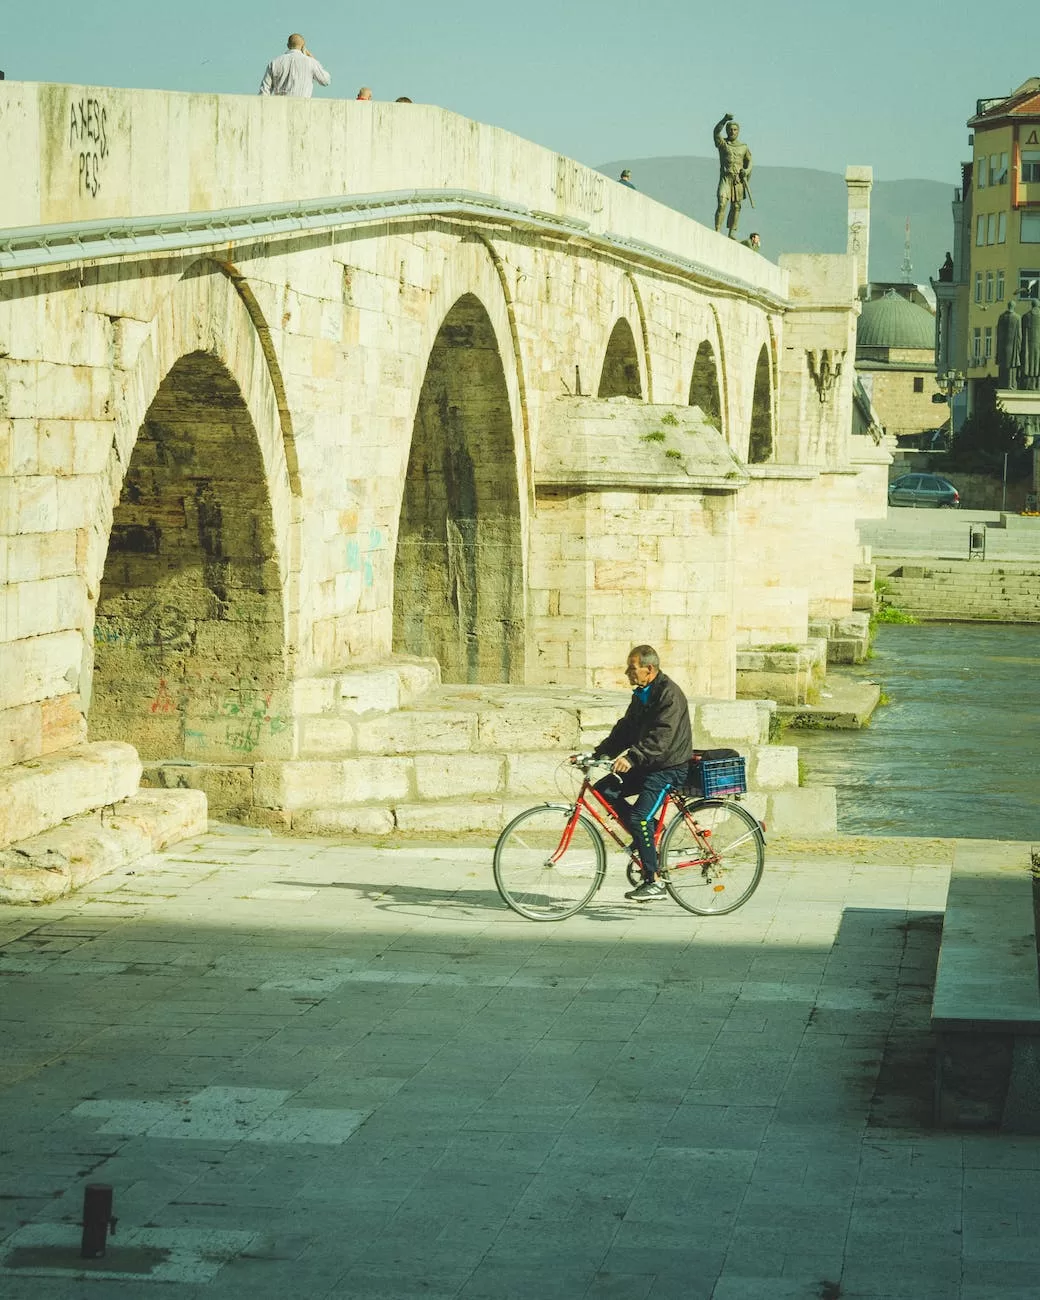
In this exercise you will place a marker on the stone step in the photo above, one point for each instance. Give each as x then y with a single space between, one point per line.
39 793
788 674
848 638
479 743
278 793
47 866
365 689
497 719
809 812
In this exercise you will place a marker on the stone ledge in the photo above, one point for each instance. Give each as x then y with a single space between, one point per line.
986 1003
353 691
808 811
43 792
47 866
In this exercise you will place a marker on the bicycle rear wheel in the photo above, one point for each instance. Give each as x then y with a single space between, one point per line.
536 876
712 857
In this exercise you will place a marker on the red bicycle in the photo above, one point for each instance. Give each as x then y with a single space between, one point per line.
550 860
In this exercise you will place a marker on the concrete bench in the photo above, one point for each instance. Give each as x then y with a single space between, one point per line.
986 1005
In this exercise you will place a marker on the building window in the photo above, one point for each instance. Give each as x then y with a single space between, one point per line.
978 286
1002 170
989 286
976 346
1000 286
1030 228
991 229
988 337
980 174
980 231
1030 166
1001 227
918 384
1029 284
994 167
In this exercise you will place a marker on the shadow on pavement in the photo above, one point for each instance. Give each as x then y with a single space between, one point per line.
398 898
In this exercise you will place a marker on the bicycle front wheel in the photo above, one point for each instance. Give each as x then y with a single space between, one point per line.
712 857
540 873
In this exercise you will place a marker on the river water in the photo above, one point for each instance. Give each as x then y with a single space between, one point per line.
956 751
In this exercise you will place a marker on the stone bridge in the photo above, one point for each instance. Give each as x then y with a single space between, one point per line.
292 387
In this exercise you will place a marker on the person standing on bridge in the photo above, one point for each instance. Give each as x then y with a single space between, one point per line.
734 170
294 72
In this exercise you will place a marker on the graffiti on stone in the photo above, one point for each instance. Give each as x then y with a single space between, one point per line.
577 186
155 627
107 632
249 713
88 141
163 701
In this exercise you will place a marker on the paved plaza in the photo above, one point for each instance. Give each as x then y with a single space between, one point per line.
313 1069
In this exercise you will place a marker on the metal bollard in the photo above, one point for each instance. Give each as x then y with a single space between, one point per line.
98 1219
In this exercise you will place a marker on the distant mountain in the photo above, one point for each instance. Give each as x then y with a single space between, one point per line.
798 210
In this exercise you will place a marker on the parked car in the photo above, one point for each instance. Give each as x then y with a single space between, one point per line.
922 490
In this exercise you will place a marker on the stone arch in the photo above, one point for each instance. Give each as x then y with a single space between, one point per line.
704 384
760 443
620 375
477 266
459 570
207 311
190 653
723 374
644 334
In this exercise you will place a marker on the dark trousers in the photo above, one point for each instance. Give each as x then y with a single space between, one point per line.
640 818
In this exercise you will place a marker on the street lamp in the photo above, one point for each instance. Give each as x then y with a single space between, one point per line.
951 382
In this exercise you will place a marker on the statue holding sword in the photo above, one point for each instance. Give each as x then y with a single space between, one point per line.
734 170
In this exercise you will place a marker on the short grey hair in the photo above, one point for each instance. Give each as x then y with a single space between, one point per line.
647 656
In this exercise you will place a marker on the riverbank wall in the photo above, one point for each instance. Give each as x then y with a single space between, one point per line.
969 589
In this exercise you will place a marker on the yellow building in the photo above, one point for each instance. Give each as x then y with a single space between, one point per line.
1003 221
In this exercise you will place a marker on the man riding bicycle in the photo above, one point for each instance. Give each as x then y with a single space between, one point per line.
650 747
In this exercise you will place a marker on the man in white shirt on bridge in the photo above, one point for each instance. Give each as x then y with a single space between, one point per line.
294 72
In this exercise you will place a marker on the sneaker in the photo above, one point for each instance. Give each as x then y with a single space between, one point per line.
648 891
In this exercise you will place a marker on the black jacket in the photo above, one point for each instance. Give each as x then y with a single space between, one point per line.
657 734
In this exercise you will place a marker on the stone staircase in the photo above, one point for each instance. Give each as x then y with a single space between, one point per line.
1002 591
391 750
72 815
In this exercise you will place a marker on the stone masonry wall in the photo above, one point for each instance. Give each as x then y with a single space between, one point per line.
901 409
605 566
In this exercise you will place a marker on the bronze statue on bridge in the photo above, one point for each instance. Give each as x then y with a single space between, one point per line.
734 170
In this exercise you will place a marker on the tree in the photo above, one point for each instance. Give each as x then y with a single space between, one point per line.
986 436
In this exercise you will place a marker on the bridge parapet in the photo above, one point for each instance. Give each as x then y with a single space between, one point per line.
92 154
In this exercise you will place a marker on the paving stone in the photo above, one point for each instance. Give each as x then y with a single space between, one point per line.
394 1090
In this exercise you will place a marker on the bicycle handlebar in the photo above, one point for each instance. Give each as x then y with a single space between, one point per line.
588 761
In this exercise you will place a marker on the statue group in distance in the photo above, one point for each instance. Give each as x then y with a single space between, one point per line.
1018 348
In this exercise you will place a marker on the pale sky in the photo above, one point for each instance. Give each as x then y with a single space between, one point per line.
814 83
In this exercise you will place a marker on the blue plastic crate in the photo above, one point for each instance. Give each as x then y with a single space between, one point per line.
718 776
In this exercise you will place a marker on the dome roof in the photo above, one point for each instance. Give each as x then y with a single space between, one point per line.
893 321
